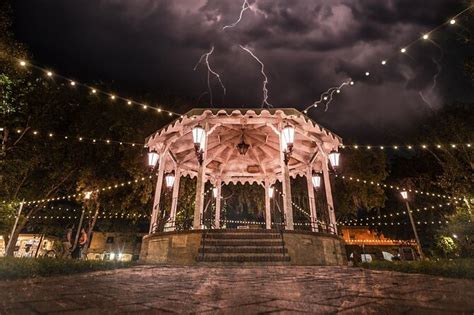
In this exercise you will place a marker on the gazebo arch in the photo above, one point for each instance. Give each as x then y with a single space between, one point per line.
244 146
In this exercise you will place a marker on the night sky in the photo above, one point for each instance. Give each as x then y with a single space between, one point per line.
151 47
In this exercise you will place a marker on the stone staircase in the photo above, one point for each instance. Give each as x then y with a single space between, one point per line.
246 246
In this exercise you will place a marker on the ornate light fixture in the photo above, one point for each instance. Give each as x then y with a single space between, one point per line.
214 192
152 158
242 147
169 178
404 194
316 179
199 138
334 159
288 138
271 191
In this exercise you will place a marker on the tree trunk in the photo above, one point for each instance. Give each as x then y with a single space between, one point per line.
91 226
14 238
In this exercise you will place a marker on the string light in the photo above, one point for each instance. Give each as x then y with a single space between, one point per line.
409 147
74 83
59 137
444 196
424 37
116 186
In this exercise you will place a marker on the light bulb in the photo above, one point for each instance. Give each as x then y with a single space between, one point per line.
453 21
94 91
49 73
73 83
22 63
426 36
367 74
403 50
384 62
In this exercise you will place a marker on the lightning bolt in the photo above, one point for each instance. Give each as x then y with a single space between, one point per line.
327 96
437 62
205 57
265 78
245 6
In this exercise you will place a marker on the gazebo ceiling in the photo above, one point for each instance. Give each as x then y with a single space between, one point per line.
259 129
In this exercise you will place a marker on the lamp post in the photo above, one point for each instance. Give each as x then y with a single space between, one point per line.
169 179
152 159
405 198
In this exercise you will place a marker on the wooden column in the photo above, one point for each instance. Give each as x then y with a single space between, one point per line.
312 201
217 218
201 182
286 184
159 185
327 189
174 201
268 213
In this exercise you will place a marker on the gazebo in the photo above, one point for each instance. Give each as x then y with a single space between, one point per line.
263 146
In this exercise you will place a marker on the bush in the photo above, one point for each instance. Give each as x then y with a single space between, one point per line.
15 268
457 268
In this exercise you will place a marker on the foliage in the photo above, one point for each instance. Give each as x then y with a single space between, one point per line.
16 268
456 268
461 229
351 196
446 244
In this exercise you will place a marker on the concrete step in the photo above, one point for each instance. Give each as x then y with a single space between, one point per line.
243 258
243 242
245 236
243 250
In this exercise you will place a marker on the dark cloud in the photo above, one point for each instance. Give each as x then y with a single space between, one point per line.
307 46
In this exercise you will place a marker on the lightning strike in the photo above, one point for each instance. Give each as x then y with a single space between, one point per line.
327 96
265 78
245 6
205 57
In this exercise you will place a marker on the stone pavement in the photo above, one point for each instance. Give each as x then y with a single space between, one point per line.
238 290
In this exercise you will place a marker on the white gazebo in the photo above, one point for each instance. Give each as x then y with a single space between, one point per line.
262 146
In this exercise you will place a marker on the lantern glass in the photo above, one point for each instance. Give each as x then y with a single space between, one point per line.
169 178
334 158
152 159
214 192
404 195
271 191
198 135
288 134
316 179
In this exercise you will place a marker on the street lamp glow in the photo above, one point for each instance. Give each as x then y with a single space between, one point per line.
214 192
169 178
316 179
152 158
334 158
271 191
288 134
198 136
404 194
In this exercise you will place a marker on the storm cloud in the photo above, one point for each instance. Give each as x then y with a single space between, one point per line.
306 46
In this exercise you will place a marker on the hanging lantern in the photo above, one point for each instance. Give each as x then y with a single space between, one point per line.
214 192
334 159
288 134
404 194
316 179
152 158
242 147
271 191
198 137
169 178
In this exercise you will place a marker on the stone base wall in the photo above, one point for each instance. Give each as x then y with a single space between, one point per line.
304 248
307 248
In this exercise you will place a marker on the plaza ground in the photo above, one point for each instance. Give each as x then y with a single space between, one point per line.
238 290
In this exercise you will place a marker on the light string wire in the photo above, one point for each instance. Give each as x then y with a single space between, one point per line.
93 90
86 192
418 192
440 146
54 136
328 93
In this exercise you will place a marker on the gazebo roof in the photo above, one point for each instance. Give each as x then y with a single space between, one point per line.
260 129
